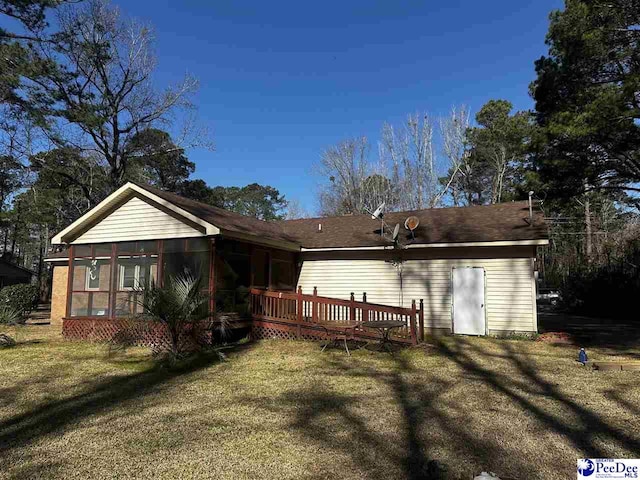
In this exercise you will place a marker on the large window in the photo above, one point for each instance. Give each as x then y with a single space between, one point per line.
282 275
90 281
187 257
261 268
136 269
101 283
92 275
233 277
107 280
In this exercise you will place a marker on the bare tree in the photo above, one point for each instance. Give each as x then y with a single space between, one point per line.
106 92
295 210
423 178
453 130
354 183
408 174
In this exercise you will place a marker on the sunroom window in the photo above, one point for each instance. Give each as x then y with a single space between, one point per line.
90 286
135 272
108 280
92 280
129 276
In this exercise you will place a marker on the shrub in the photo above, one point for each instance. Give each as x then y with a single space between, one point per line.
601 291
182 307
10 316
22 298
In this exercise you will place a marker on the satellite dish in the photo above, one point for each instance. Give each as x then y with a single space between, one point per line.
378 212
411 223
396 231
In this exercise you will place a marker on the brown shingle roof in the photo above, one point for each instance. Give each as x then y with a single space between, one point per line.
226 220
61 255
491 223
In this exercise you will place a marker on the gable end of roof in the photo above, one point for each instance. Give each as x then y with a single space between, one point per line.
116 199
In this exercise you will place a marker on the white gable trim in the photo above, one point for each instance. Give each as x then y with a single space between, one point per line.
67 235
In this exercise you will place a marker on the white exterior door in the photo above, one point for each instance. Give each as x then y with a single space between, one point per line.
468 301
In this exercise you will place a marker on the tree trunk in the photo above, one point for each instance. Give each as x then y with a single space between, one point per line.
14 237
588 230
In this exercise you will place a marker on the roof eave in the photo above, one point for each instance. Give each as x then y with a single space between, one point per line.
504 243
261 240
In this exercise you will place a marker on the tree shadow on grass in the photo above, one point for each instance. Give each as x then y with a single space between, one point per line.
100 396
585 435
424 423
420 422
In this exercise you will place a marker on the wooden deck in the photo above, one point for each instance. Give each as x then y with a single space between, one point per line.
294 315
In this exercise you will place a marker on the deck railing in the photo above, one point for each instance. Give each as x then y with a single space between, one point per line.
297 308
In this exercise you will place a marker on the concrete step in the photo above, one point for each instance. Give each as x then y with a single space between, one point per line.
41 315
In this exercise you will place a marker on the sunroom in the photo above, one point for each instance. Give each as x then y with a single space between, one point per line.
134 239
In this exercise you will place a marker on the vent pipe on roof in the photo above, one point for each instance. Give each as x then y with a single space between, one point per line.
319 228
530 208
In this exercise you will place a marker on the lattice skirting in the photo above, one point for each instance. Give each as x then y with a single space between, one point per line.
128 331
265 330
268 330
152 334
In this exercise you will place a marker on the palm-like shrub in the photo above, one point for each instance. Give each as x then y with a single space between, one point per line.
10 316
181 306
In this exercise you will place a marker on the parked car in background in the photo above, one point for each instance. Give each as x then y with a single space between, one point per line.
548 296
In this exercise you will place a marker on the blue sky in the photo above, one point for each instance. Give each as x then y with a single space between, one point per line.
281 81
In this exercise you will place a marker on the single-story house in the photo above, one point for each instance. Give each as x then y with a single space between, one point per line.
12 274
472 266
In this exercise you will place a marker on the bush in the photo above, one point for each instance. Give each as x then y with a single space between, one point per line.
601 291
22 298
10 316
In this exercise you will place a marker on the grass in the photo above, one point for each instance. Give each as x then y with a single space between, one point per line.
281 409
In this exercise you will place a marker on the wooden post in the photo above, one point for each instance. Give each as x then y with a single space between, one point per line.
212 279
421 320
69 281
365 308
252 266
113 281
300 312
412 323
352 308
160 280
314 306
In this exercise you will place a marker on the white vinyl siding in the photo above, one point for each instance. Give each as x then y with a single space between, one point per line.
510 298
137 220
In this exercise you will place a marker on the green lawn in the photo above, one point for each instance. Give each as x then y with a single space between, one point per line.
279 409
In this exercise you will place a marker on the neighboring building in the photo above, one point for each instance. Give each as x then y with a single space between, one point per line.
473 266
10 273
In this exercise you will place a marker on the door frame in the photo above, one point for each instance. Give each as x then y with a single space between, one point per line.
484 299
